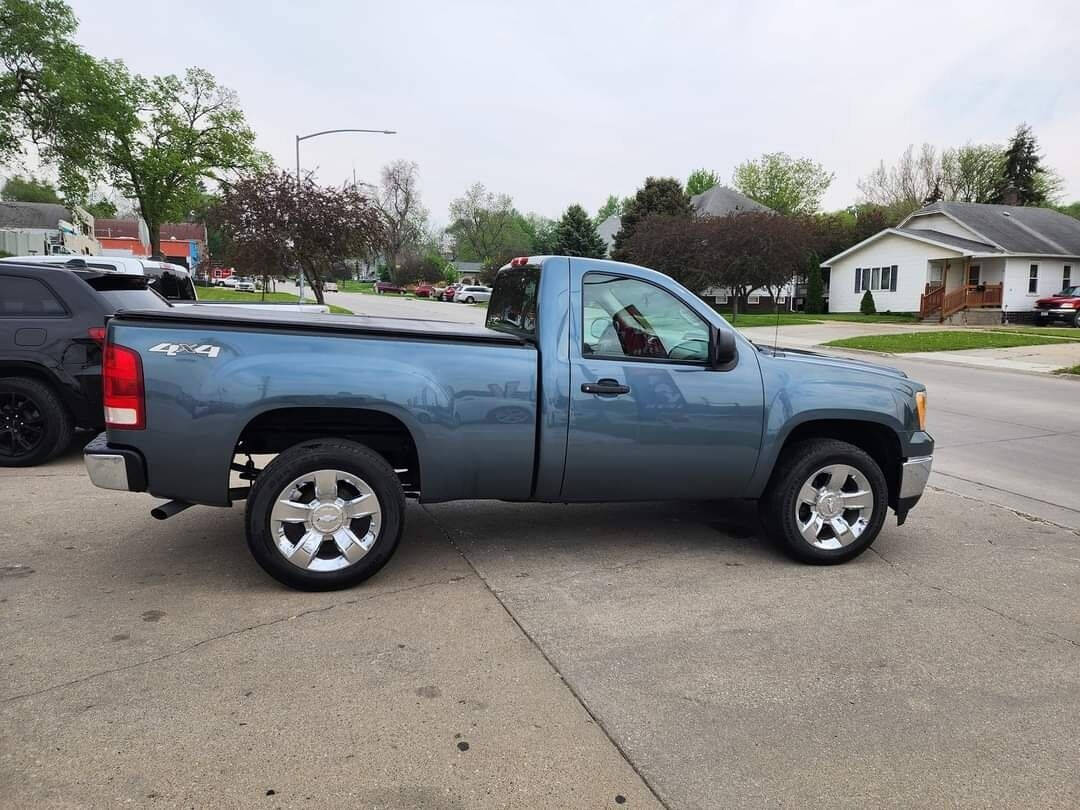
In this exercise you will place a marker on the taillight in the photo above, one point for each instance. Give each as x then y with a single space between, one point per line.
97 334
122 388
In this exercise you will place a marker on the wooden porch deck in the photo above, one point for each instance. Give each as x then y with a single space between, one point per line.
971 296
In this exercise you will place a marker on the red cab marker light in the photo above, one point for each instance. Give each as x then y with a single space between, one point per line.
520 261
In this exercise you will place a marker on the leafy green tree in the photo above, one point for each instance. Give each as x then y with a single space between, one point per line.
815 286
576 235
102 208
1072 209
1024 179
866 306
785 184
970 173
701 180
51 92
660 195
541 233
486 228
29 189
612 205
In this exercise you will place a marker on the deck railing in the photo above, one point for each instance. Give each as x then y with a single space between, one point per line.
980 296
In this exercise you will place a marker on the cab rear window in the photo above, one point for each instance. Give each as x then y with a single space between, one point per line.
513 301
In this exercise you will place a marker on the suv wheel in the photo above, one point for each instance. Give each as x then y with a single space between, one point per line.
34 424
827 501
470 300
324 515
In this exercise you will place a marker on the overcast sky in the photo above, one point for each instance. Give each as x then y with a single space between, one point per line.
560 102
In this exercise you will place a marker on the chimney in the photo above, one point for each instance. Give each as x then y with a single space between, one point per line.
1010 196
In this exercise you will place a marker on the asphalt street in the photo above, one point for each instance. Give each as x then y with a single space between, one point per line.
623 655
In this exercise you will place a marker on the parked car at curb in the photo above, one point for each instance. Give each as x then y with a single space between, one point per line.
52 329
472 294
330 286
245 285
1062 306
424 291
591 381
450 291
388 287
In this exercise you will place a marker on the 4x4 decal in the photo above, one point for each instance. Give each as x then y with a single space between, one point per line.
173 349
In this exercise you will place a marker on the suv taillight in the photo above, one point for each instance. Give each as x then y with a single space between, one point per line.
122 388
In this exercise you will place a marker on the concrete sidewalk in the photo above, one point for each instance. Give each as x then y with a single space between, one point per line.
1038 359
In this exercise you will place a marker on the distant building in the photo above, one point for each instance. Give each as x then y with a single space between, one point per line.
42 229
468 272
182 243
123 237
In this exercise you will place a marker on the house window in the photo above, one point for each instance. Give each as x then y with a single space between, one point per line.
1033 279
753 299
722 299
886 278
781 299
1066 277
973 276
875 279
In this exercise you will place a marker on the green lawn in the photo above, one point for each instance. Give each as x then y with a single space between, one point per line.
1069 370
1071 334
941 341
351 286
225 294
801 318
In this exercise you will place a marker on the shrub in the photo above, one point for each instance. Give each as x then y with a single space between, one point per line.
867 306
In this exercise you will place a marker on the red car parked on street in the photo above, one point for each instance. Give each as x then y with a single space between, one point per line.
1062 306
424 291
450 291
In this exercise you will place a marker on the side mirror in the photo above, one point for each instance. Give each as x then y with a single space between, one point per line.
724 352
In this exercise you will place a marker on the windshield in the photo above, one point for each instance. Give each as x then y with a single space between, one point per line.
1070 292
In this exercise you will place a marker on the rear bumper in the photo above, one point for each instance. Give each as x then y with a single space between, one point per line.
914 474
114 467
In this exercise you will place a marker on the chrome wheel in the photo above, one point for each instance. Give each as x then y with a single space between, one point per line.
325 520
834 507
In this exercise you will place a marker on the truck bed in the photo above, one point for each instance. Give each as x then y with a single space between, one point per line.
415 328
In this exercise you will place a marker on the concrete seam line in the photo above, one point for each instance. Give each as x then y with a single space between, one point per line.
219 637
1017 512
570 687
970 603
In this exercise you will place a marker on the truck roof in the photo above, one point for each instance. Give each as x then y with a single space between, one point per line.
315 322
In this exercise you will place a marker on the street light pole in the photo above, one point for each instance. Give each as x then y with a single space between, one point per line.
316 135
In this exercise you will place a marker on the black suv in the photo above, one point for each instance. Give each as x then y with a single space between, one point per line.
52 329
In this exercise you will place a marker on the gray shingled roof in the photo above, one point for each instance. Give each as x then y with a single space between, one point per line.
719 201
949 239
32 215
1018 229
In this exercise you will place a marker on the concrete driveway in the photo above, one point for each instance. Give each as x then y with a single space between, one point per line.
534 656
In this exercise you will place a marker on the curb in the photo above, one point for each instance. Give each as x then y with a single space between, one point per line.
922 359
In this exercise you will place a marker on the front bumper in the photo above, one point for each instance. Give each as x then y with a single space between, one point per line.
914 474
114 467
1061 314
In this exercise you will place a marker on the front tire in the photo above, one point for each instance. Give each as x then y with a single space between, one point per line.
34 424
827 501
470 300
324 515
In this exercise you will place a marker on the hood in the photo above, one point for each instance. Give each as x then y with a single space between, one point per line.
831 361
1058 300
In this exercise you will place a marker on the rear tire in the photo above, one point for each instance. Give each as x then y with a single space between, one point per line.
826 503
470 300
34 424
300 515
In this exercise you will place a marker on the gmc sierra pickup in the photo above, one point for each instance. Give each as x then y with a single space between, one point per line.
591 381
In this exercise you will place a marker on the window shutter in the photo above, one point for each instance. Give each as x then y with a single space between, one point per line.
858 278
892 280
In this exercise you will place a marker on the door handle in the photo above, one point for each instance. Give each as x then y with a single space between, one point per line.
605 388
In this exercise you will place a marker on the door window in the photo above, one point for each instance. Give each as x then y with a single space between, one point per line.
973 276
628 318
27 297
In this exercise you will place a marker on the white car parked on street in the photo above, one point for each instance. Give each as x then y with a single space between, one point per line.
471 294
245 285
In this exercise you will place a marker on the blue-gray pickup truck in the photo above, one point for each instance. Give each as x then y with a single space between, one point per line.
590 381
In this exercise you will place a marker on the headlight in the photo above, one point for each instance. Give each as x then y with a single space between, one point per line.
920 408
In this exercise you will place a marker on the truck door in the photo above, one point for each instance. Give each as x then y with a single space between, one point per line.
649 419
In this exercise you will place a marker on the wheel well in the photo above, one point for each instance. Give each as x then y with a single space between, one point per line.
878 441
277 430
41 375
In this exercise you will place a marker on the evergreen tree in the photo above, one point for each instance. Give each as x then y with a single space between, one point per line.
659 195
867 306
576 235
1024 180
815 287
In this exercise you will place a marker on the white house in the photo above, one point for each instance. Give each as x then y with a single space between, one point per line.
960 260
